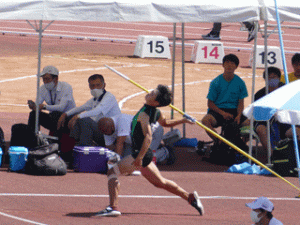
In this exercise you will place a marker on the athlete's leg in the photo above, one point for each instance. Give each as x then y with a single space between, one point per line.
121 168
152 174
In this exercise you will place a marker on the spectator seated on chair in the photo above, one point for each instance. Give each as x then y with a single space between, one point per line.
277 130
225 98
56 97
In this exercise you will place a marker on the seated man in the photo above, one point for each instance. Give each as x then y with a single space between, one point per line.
83 124
260 127
225 97
58 96
141 155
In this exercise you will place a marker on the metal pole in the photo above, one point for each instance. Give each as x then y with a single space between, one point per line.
267 86
253 87
173 67
183 77
40 30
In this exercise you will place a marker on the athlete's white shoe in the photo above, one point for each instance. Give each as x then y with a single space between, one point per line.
196 203
109 212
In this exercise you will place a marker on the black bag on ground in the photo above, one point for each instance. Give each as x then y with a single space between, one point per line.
232 133
44 160
284 158
222 154
22 135
2 139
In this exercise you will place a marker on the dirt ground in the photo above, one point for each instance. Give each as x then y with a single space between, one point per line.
20 82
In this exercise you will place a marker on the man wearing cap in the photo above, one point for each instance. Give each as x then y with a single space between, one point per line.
261 213
55 96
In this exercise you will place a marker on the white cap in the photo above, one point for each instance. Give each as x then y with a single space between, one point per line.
261 203
50 70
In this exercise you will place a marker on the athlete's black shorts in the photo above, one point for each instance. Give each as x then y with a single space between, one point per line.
147 158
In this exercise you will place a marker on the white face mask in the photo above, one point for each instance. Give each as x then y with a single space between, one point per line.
96 93
254 216
50 86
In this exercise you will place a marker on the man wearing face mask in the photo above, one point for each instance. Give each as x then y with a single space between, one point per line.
83 124
261 213
55 97
260 127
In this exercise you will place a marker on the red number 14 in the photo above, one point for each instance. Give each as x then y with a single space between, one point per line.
213 53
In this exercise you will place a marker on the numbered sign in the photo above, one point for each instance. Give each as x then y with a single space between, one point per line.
152 47
273 57
207 52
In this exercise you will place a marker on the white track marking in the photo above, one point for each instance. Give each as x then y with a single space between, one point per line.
141 196
21 219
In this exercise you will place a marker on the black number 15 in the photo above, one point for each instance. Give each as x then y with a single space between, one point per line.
159 48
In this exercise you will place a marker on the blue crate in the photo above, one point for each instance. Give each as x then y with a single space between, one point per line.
17 158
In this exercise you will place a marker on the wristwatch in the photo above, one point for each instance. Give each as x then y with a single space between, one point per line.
44 107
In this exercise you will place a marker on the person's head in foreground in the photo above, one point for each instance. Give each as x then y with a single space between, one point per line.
262 209
159 97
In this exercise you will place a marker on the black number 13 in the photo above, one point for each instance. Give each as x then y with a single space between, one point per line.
272 56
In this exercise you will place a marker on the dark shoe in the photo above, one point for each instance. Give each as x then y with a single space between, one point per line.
196 203
211 36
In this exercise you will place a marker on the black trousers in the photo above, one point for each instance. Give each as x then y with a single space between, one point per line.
48 121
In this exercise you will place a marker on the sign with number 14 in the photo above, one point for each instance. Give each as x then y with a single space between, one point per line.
208 52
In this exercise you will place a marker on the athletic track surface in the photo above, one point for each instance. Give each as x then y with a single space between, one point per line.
75 197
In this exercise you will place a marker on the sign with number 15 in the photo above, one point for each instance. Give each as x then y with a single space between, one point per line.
207 52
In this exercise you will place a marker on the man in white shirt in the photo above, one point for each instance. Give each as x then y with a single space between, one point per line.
83 124
55 96
117 130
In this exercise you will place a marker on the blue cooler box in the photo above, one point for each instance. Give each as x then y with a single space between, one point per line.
90 159
1 153
17 158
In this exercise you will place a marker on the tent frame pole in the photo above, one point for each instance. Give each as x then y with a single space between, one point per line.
253 87
267 88
183 77
173 68
38 28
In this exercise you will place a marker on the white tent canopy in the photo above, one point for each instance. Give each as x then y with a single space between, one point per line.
131 10
155 11
289 10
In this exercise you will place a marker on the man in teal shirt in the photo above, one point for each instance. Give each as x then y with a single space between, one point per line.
225 97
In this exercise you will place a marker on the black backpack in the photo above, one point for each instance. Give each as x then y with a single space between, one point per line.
223 154
44 160
284 158
23 135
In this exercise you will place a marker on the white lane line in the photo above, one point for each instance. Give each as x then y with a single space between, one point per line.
142 196
21 219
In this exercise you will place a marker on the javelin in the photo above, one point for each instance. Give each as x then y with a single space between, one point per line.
208 130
